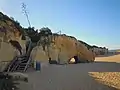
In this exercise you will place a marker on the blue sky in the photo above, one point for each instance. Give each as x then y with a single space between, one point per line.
96 22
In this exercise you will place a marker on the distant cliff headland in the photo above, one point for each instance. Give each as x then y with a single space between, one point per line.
46 43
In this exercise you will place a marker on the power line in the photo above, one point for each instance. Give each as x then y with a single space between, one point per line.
25 13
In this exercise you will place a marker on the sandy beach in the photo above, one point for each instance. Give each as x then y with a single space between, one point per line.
103 74
109 58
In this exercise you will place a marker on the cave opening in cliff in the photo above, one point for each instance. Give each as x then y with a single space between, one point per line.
74 60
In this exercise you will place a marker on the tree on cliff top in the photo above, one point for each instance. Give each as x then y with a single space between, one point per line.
32 34
45 37
45 31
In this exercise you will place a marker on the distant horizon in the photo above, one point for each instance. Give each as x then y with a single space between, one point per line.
96 22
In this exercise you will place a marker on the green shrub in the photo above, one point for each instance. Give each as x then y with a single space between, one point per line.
7 82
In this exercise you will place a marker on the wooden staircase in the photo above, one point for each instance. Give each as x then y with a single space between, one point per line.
20 63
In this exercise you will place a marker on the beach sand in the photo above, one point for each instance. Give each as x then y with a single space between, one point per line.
109 58
103 74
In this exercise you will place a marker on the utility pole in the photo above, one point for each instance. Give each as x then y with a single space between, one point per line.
25 13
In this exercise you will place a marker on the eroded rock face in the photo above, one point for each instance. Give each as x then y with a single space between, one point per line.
39 54
53 52
7 51
9 31
70 47
63 49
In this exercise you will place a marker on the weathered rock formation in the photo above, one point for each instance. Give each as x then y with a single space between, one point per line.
99 50
95 49
9 31
63 48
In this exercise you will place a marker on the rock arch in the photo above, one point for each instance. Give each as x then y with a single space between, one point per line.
74 60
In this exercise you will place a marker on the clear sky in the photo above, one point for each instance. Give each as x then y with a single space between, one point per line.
96 22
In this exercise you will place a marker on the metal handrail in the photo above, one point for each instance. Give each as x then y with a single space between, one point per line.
15 66
11 63
27 64
28 56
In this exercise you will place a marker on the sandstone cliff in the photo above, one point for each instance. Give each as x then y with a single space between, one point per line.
9 30
63 48
95 49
